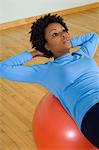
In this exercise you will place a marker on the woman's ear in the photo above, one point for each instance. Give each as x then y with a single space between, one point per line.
46 46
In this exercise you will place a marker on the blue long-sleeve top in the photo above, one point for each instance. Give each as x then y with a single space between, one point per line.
72 78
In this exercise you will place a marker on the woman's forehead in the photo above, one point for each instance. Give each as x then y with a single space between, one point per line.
53 26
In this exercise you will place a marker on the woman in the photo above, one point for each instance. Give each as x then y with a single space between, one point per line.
72 77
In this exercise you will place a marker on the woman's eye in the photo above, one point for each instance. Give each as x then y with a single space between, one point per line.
64 30
55 34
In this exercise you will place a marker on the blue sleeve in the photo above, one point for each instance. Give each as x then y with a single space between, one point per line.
12 69
88 43
18 59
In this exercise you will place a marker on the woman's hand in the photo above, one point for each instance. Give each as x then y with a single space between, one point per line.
36 53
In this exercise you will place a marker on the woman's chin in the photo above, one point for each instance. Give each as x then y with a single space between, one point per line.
68 49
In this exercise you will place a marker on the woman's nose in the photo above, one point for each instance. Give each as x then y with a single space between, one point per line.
64 35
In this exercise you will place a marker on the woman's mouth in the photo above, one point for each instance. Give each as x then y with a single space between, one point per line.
65 41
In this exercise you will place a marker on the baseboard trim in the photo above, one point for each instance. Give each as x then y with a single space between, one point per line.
61 13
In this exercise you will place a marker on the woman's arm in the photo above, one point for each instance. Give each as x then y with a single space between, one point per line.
88 43
13 68
34 73
18 59
22 58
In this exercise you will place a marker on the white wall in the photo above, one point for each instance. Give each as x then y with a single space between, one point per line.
17 9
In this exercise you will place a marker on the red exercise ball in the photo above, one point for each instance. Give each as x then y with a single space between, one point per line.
53 128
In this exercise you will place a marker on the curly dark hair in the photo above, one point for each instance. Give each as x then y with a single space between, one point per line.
37 37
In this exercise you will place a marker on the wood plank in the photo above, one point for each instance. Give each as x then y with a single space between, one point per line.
62 13
18 101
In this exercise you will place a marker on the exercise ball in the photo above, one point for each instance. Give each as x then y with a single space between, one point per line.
53 128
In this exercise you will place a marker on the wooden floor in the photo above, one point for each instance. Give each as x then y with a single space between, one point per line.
19 100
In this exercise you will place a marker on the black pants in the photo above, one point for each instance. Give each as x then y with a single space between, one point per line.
90 125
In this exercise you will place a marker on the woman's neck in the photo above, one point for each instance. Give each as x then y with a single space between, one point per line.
57 56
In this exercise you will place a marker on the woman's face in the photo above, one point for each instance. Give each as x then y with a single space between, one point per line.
58 40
